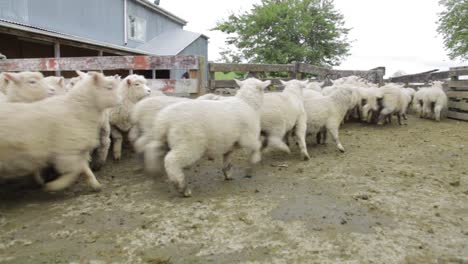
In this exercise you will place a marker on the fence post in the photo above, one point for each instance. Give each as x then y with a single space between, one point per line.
297 73
201 76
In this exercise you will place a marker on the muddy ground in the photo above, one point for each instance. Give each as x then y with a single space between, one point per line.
398 195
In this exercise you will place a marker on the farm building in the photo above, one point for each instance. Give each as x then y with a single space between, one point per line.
57 28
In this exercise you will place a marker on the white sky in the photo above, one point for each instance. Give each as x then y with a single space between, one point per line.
397 34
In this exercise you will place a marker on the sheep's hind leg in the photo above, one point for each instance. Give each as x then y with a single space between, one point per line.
117 139
90 178
38 178
175 161
62 182
253 145
277 143
334 133
227 165
300 132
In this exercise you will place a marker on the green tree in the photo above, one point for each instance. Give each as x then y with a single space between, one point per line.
283 31
453 26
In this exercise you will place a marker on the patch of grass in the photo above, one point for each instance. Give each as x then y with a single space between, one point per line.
228 76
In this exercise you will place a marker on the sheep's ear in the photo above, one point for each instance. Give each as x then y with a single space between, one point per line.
283 82
80 73
321 84
305 82
117 77
239 82
10 76
129 82
61 81
265 84
96 76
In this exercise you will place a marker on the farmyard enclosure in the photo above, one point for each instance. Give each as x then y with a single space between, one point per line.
397 195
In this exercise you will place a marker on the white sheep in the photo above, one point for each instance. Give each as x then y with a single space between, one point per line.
284 112
26 87
314 85
132 89
371 104
328 112
185 132
64 132
57 83
3 84
145 110
394 102
434 101
142 117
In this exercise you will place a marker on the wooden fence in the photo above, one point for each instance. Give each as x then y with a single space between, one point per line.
194 65
420 79
296 70
458 93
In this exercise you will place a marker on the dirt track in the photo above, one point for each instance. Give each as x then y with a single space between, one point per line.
398 195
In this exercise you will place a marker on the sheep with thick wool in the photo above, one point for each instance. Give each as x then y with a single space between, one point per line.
143 115
371 104
144 112
26 87
283 112
315 85
328 112
394 102
434 101
185 132
132 89
65 131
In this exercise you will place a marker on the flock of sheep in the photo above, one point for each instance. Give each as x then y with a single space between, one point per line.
46 124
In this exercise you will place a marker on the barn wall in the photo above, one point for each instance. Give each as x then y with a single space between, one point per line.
100 20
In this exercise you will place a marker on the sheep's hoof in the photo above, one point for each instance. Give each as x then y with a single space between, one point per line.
97 187
305 157
187 192
342 150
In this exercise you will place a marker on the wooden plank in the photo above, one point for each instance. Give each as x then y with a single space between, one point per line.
250 67
458 84
422 77
232 84
458 71
101 63
457 115
311 69
458 100
182 86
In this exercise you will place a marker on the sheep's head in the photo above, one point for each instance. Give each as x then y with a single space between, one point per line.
101 89
57 83
27 87
134 88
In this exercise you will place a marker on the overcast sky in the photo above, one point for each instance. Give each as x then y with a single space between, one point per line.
397 34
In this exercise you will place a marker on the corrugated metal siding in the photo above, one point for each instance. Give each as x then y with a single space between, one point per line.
16 10
100 20
198 47
155 23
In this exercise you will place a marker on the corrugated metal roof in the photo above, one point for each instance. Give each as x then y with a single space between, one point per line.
170 42
60 35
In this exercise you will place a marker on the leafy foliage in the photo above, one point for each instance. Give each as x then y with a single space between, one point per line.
453 25
283 31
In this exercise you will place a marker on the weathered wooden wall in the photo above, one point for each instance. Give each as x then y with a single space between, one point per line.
458 93
194 64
